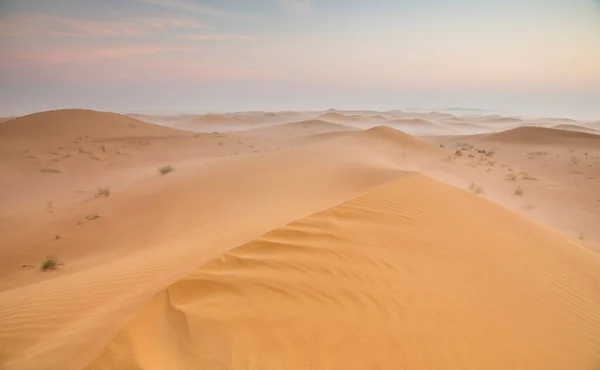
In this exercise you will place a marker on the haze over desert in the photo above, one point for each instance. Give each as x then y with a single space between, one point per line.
391 209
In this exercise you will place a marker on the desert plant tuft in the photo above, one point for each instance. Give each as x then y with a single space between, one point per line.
50 170
166 169
103 192
475 189
519 191
50 263
92 217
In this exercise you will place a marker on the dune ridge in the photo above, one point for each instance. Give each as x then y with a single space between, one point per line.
54 127
345 278
542 135
297 243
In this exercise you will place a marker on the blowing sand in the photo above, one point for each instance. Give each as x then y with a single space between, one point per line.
299 240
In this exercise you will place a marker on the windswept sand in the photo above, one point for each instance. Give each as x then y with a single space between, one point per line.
298 240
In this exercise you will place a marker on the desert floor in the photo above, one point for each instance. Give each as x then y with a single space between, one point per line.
299 240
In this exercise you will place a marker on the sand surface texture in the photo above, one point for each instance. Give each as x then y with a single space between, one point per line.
299 240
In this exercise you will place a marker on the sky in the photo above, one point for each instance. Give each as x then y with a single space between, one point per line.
533 57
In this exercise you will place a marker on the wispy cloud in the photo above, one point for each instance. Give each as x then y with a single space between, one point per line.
31 24
216 36
58 56
296 6
187 6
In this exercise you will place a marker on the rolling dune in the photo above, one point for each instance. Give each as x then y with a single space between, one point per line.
539 135
294 129
381 281
296 245
52 128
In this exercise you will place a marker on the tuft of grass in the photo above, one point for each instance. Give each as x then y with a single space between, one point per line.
50 170
475 188
519 191
103 192
458 153
165 169
57 237
49 263
92 217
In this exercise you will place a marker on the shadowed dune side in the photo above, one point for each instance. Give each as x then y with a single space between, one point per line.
414 274
154 234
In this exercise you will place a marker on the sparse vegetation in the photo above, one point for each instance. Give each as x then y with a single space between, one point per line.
458 153
573 161
50 170
519 191
475 188
49 263
165 169
57 237
103 192
92 217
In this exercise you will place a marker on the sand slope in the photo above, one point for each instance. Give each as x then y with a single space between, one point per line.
382 281
317 251
63 126
294 129
539 135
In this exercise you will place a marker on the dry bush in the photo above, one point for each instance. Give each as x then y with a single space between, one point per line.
103 192
165 169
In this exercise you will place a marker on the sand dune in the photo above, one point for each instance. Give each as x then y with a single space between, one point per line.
577 128
4 119
529 134
297 245
411 122
294 129
64 126
335 116
356 281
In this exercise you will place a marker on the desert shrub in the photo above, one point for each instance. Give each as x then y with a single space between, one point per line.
475 188
49 263
165 169
103 192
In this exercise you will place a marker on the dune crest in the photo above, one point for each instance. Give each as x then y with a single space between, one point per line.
545 135
351 278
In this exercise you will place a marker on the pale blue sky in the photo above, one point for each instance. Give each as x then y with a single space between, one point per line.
526 56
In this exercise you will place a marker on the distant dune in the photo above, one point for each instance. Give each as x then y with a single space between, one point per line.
64 126
530 134
411 122
495 118
577 128
217 118
301 128
5 119
334 116
401 139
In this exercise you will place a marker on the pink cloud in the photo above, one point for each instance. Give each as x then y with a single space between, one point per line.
187 6
208 36
30 24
